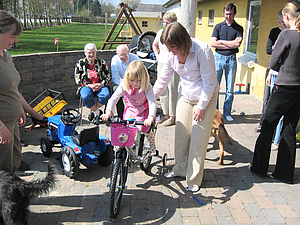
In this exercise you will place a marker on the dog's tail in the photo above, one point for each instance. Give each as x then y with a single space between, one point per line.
224 134
34 189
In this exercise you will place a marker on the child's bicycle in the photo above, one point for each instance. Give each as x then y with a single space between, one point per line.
124 133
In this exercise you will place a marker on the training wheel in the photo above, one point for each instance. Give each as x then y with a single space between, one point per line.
164 159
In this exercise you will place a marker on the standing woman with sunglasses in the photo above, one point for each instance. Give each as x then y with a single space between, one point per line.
284 101
11 113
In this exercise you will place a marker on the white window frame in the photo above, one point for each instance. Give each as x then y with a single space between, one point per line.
200 15
211 20
249 25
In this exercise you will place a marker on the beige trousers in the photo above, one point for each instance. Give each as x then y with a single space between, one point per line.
11 154
191 140
168 98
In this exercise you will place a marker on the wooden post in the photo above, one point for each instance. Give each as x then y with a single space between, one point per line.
105 25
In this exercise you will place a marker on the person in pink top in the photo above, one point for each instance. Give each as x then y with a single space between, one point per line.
139 97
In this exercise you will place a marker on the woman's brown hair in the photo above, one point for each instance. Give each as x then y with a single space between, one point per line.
176 34
8 22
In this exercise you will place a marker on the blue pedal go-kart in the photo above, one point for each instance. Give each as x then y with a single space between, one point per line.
86 147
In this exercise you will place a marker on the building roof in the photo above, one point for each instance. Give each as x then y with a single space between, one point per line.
170 3
146 14
150 8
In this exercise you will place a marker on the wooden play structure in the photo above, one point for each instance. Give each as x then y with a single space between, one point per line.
109 40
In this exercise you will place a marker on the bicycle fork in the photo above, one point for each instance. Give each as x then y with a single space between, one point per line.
122 154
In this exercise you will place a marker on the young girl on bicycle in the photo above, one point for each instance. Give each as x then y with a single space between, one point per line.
139 97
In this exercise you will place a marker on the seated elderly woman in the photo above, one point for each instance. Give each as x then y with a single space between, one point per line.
92 77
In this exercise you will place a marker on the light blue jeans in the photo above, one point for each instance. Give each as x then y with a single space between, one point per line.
277 134
88 95
227 63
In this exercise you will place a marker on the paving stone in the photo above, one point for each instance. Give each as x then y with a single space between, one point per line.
274 216
229 194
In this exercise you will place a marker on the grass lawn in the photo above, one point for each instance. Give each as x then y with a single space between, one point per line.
71 37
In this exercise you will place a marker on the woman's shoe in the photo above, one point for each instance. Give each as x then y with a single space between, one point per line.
168 122
194 188
270 175
162 120
258 129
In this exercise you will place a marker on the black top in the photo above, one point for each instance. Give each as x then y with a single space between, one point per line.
285 58
272 39
224 32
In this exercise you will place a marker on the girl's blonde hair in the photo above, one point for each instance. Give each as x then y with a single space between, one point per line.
136 71
292 8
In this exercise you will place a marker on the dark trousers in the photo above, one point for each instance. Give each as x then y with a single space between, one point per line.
284 100
266 98
120 104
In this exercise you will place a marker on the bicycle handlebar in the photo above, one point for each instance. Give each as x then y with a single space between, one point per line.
134 122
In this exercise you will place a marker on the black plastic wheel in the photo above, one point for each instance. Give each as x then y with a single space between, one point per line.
164 159
69 162
91 116
117 186
46 146
107 157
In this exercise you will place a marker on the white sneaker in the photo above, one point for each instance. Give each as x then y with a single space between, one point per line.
170 175
229 118
194 188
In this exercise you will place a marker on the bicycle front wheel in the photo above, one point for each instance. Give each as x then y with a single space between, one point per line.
117 186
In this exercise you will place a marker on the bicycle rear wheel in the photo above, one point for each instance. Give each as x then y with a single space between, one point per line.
117 186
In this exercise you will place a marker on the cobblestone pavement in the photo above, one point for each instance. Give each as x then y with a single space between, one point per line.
230 193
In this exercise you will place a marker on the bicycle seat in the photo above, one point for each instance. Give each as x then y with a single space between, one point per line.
86 135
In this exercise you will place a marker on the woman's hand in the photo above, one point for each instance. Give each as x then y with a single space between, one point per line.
5 136
198 114
22 119
148 121
95 87
106 116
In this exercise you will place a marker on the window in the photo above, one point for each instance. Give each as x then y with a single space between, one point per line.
200 17
144 23
211 17
252 27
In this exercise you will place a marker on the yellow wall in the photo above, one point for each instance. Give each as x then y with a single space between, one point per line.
268 20
153 24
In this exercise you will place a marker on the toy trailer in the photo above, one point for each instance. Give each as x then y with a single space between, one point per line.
49 103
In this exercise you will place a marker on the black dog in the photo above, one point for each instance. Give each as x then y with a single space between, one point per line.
16 194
